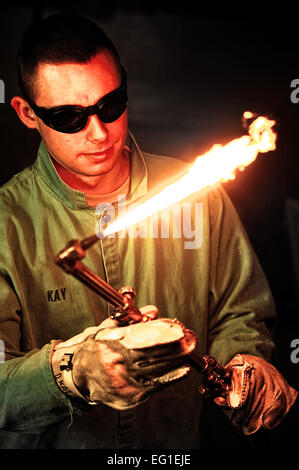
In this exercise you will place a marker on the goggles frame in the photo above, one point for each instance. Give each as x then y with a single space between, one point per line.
82 113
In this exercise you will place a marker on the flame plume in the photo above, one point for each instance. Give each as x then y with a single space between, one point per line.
218 165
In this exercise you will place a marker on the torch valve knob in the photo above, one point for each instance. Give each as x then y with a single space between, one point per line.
127 291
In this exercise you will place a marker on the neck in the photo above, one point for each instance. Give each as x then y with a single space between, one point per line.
100 184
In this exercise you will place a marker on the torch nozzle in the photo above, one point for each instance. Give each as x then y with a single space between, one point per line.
88 242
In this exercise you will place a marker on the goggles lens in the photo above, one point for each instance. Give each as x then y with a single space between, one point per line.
71 118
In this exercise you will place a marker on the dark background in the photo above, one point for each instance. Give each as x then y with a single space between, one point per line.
192 72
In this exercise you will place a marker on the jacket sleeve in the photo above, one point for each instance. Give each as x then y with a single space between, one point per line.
30 400
241 306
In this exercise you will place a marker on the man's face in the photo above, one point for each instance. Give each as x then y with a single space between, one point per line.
96 150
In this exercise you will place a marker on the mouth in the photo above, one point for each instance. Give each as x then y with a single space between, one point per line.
99 155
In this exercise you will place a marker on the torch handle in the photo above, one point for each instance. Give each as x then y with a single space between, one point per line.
69 260
98 285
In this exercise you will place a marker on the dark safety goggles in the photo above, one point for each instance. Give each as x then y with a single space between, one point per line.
72 118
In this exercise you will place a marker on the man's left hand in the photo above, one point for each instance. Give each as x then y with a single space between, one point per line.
259 395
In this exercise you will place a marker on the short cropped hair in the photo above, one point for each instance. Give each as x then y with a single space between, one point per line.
59 39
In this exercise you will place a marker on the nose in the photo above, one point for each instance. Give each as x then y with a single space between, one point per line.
96 130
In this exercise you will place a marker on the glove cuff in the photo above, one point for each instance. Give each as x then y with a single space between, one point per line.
62 367
240 381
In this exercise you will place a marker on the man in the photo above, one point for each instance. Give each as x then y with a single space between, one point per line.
124 387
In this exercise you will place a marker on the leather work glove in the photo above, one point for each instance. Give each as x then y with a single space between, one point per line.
122 366
259 396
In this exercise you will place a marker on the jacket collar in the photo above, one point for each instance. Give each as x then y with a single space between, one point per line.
45 169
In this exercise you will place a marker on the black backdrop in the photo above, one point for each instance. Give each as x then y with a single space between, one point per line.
192 73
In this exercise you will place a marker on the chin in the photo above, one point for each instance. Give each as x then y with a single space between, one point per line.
97 170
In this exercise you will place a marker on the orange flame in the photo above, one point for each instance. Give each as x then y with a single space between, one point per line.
219 164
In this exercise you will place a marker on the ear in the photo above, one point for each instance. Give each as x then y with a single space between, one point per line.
24 111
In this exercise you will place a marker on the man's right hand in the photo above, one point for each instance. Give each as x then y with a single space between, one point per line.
122 366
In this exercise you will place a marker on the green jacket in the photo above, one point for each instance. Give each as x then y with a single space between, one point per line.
217 289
